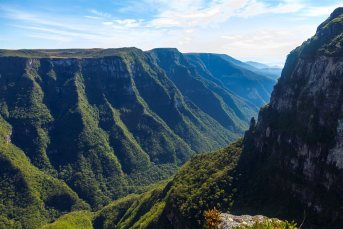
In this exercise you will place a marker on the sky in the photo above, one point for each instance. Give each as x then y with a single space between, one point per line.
259 30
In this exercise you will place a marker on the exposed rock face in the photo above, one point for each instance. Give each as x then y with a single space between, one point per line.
228 221
8 137
302 130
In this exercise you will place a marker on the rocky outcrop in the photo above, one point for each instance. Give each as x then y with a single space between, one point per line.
228 221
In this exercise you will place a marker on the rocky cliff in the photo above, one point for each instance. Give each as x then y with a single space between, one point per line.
300 131
289 161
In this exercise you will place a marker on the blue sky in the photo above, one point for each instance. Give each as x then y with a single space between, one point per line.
260 30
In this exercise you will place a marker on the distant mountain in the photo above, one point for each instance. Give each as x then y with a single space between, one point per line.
80 128
270 72
263 69
273 73
243 82
205 91
257 65
238 62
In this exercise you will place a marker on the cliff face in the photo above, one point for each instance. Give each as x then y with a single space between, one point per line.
301 130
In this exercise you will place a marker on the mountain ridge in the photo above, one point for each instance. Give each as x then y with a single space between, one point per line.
245 83
289 161
103 124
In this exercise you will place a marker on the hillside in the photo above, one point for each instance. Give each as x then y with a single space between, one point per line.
102 123
257 65
251 86
29 197
288 162
260 69
206 92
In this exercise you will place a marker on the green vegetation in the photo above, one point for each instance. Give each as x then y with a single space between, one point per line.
29 198
212 218
143 211
270 225
73 220
92 130
204 90
251 176
328 38
205 182
64 53
253 87
212 180
95 125
328 41
202 183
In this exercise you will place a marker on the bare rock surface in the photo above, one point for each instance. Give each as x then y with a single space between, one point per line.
228 221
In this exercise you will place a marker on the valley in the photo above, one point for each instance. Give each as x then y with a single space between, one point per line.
125 138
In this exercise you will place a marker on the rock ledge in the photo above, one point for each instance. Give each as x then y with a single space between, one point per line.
228 221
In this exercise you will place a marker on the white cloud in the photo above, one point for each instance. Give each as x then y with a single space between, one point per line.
321 11
175 5
46 20
186 40
50 37
257 8
61 32
93 17
117 27
99 13
297 19
234 37
190 25
181 32
189 31
219 11
269 42
170 22
129 23
201 15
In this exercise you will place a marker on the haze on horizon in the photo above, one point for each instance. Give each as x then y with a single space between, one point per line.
259 30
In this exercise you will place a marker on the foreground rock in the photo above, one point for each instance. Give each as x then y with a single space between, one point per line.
229 221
